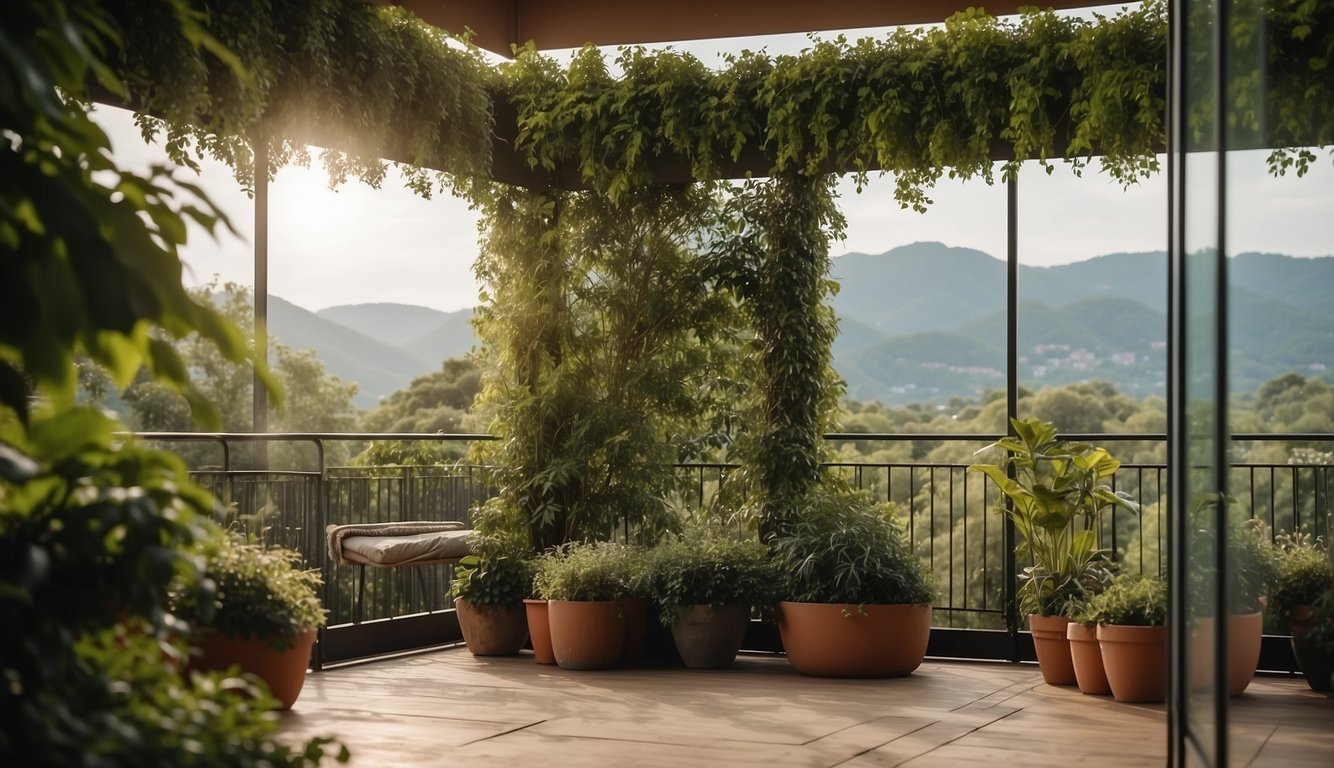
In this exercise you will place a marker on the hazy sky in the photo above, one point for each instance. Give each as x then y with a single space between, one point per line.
357 245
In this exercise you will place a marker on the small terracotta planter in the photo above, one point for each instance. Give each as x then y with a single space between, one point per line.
838 640
539 630
283 671
1053 648
1135 659
1086 655
587 634
492 630
1244 632
1200 662
709 637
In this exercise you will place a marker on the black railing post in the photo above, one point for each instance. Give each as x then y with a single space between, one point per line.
321 552
1011 396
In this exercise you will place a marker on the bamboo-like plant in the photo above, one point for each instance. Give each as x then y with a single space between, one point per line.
1057 496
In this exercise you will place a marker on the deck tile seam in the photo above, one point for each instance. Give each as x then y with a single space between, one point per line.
523 727
883 743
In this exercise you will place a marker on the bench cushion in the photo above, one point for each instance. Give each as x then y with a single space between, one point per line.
389 551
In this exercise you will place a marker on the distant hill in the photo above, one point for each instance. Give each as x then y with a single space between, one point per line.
378 368
928 322
395 324
429 334
925 322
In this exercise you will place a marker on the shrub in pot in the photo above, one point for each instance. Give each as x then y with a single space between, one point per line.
261 616
858 599
1303 574
705 583
1059 493
489 588
1130 616
1319 656
1252 568
591 590
1303 570
1086 657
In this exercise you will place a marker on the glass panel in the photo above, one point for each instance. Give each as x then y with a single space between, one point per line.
1200 370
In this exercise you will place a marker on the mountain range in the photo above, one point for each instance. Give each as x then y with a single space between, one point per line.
926 322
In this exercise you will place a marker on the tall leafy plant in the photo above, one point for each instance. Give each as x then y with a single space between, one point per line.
611 355
774 252
1056 498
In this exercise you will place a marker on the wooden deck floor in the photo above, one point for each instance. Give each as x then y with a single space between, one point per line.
448 708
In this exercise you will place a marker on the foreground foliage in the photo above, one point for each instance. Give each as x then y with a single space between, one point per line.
94 529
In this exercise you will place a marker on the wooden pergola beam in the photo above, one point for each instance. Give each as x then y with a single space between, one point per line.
556 24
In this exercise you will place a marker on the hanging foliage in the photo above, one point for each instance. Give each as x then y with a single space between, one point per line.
365 81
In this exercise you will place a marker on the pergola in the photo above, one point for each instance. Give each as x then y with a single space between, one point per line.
499 27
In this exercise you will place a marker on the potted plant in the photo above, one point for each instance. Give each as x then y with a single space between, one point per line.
1131 615
1318 656
858 599
705 583
1252 566
489 588
586 586
1057 496
1251 570
1303 574
1086 655
261 615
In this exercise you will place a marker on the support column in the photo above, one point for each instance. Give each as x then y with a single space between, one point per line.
260 402
1012 619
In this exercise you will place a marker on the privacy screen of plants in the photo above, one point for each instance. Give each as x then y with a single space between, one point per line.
638 310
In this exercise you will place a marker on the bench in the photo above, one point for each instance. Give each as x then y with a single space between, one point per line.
395 545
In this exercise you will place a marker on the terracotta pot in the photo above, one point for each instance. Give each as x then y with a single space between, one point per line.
539 630
1053 648
709 637
587 634
1244 631
634 611
839 640
283 671
492 630
1200 662
1135 659
1301 620
1086 656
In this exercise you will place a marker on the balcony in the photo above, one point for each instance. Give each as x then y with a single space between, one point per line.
949 515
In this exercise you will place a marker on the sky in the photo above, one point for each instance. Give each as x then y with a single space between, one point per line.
358 245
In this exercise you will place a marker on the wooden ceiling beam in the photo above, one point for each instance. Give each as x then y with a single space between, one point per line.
560 24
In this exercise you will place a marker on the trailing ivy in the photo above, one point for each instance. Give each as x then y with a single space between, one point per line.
365 81
373 82
774 248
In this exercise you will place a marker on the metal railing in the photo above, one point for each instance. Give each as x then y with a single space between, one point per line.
951 515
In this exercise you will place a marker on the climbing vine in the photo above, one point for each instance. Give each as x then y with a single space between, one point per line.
774 247
610 353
